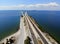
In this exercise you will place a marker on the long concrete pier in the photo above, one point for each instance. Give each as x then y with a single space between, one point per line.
29 28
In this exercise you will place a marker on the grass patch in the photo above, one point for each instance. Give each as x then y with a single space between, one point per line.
27 41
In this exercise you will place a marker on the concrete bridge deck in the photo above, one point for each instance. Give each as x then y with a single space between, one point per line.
35 32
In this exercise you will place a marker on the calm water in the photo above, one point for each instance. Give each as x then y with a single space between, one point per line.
9 22
49 20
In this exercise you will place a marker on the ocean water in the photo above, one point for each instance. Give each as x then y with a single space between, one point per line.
49 20
9 22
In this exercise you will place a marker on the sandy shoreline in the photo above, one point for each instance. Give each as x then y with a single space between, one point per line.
13 35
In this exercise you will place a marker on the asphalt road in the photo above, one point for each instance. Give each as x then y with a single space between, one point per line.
22 36
32 33
43 39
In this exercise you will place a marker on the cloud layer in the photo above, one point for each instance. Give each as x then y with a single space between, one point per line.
48 6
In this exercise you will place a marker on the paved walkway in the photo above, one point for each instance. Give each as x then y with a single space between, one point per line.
21 37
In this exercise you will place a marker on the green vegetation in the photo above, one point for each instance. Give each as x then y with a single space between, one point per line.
27 41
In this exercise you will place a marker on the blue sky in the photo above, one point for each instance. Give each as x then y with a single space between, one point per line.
30 4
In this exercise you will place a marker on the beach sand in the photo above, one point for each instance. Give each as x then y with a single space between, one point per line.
16 35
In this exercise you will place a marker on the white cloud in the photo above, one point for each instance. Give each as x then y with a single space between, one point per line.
48 6
52 4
